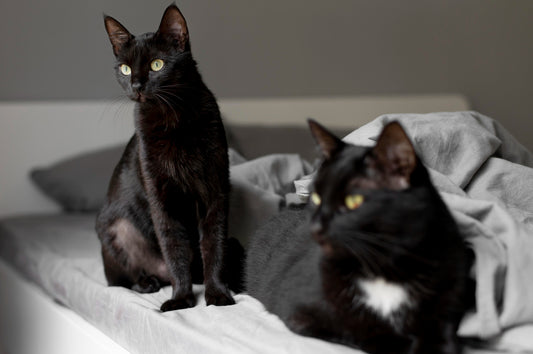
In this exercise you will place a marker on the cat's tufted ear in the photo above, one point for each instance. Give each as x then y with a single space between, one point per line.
328 142
173 25
395 156
118 34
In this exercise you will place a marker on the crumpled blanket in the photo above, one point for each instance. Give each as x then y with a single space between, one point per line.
258 189
486 178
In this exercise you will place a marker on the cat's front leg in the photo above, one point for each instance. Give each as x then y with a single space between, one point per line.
315 321
178 259
213 237
438 339
312 321
174 238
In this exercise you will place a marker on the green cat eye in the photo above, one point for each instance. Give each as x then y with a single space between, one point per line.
124 69
315 198
353 201
157 64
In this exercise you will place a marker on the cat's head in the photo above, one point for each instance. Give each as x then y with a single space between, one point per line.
362 194
149 65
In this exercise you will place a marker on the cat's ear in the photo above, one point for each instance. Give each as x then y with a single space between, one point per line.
328 142
118 34
395 156
173 25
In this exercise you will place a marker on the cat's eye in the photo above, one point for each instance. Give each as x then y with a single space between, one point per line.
157 64
353 201
315 198
125 70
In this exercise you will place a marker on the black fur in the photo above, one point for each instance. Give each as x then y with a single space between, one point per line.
306 265
165 219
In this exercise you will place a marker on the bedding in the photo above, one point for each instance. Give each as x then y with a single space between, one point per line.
484 175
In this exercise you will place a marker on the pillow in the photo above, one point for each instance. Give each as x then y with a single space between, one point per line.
79 183
254 141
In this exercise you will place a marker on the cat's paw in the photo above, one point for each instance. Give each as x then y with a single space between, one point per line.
178 304
301 324
218 298
147 284
310 321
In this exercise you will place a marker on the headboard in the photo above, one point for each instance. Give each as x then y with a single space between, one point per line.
39 133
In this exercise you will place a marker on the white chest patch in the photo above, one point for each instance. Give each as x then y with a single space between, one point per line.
383 297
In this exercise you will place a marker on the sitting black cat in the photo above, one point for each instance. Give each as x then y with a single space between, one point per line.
165 219
387 269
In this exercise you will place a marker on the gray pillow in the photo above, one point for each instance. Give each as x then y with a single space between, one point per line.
79 183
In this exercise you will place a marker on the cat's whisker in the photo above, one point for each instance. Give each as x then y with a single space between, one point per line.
172 97
163 100
122 109
162 103
377 254
112 103
382 241
373 257
185 87
368 264
169 92
173 86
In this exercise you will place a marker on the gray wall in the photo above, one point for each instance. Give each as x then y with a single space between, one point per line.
58 49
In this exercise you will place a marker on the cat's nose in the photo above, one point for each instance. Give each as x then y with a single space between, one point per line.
317 228
136 86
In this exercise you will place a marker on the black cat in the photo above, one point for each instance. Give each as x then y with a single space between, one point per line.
165 219
379 264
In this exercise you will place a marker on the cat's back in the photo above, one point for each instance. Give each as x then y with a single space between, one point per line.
282 268
279 234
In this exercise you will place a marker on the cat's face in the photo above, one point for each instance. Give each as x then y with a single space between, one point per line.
362 194
150 65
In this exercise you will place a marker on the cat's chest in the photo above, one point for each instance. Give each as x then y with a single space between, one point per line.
386 299
170 157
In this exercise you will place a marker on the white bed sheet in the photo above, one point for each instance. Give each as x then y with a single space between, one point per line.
32 322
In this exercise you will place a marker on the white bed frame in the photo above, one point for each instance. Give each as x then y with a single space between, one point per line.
40 133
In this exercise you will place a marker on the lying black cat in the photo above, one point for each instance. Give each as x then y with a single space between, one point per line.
387 269
165 219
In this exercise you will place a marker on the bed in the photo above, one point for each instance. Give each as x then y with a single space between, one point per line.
55 157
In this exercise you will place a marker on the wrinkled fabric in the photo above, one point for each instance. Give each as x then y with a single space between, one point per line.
258 188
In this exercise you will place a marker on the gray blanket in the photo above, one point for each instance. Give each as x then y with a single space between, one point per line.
480 169
258 189
486 178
